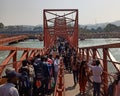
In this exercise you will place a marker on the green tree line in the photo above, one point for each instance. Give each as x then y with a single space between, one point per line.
108 28
1 25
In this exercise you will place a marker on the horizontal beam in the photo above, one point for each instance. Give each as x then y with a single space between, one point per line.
60 9
115 45
4 48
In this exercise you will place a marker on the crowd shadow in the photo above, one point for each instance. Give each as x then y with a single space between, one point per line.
70 88
86 94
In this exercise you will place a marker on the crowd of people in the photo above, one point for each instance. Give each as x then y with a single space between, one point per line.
81 74
37 76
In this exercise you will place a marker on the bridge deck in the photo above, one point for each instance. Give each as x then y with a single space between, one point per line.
70 89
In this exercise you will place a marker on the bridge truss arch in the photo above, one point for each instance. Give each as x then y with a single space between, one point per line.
60 23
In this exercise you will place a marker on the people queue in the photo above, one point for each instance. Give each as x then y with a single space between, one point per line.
36 77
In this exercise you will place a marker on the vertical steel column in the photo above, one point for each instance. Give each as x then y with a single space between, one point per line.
83 55
44 23
14 60
80 53
105 75
94 53
60 28
87 55
76 30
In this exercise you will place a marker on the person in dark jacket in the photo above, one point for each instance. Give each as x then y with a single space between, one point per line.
42 75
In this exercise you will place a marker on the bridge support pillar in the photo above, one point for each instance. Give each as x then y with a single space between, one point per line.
87 54
94 53
105 75
14 61
83 55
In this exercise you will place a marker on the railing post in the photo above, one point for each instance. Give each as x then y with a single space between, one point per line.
94 53
14 60
27 54
60 87
87 53
83 54
80 53
105 75
26 51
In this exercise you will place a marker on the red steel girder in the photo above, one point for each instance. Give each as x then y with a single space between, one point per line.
60 26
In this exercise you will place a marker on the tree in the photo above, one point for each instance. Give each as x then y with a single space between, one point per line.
110 28
99 29
93 30
1 25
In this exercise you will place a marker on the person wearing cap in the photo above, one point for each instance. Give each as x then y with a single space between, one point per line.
8 89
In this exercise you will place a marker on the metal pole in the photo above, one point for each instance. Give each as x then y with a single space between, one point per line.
105 75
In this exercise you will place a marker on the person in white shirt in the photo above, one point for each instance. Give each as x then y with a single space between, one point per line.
97 71
56 66
8 89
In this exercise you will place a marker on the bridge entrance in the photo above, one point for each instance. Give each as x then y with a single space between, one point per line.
60 23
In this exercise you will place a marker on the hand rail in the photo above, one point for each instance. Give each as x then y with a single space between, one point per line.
27 53
101 52
60 84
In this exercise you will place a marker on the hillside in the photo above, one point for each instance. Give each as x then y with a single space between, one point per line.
102 25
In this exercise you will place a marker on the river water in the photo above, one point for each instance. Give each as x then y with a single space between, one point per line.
114 51
34 43
102 41
94 42
31 43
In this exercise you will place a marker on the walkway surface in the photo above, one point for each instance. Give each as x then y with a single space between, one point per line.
70 89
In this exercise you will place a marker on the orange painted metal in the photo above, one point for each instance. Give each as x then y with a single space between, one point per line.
27 53
5 62
60 84
5 48
60 23
12 39
14 60
3 36
94 53
104 57
105 69
23 57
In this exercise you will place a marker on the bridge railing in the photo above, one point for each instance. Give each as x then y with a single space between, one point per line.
60 83
110 66
17 54
12 39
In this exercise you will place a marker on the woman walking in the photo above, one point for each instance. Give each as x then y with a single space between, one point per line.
82 77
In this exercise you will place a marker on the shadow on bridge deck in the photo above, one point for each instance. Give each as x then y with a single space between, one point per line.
71 89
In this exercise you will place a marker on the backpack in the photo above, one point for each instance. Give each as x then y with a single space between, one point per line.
40 72
24 81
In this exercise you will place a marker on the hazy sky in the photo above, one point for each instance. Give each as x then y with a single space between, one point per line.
29 12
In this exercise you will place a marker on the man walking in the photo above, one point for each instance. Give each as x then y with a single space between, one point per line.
97 71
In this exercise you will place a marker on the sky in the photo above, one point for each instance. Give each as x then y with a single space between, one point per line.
29 12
